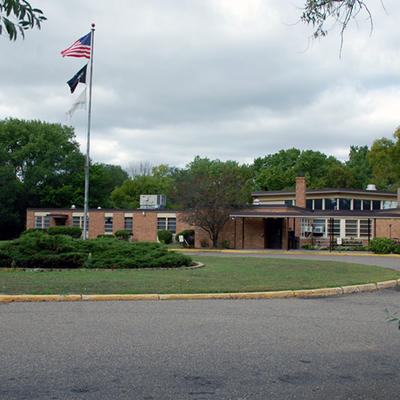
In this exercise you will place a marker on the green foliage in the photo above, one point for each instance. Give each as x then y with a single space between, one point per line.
382 245
123 235
396 249
73 231
279 171
16 16
188 235
127 195
384 158
106 236
210 189
358 163
308 246
225 244
164 236
41 250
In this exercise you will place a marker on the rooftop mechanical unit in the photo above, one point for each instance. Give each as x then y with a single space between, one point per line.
153 201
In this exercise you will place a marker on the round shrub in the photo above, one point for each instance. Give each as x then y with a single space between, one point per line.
73 231
382 245
5 260
188 235
396 249
164 237
123 235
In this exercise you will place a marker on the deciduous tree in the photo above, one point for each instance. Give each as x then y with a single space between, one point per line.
210 189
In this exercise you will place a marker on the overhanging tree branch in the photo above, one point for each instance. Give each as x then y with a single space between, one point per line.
16 16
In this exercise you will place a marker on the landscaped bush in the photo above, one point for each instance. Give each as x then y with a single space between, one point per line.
396 249
308 246
204 243
164 236
41 250
188 235
106 236
123 235
225 244
73 231
382 245
5 260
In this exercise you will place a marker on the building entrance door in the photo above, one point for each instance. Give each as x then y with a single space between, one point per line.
273 233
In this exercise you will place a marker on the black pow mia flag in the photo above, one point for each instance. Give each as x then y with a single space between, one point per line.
80 76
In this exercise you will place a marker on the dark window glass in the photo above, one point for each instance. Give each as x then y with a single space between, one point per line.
330 204
309 204
356 204
376 204
366 204
318 204
128 224
289 202
172 225
108 224
161 224
344 204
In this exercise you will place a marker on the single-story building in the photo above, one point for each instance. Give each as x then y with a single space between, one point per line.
275 220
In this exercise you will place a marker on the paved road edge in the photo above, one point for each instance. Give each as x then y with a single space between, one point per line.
308 293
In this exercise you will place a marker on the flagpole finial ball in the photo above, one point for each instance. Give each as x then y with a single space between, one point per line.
93 25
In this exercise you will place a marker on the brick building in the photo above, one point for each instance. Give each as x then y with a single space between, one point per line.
275 220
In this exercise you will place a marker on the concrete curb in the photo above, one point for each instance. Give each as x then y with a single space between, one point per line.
287 253
307 293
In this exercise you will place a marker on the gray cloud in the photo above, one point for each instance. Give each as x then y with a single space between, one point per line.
216 78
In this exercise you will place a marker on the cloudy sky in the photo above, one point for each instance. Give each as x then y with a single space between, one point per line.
226 79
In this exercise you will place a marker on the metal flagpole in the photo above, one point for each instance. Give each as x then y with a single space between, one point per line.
87 159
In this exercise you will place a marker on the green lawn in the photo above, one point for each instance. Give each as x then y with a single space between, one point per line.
221 274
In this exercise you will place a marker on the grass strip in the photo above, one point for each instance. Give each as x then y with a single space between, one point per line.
220 274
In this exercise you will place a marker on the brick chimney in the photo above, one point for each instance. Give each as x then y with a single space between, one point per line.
301 188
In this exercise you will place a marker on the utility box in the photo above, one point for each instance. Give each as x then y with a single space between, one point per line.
153 201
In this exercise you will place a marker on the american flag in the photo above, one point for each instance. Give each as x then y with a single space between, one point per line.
81 48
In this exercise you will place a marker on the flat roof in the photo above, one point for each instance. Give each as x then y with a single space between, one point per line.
325 191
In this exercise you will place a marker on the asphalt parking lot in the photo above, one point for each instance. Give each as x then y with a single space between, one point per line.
323 348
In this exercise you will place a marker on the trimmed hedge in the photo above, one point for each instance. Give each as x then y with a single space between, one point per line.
164 236
382 245
41 250
73 231
123 235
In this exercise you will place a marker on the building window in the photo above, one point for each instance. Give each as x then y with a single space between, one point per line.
318 204
309 204
336 227
351 228
365 227
376 205
306 228
330 204
319 227
344 204
128 224
289 202
38 222
366 204
356 204
42 222
166 224
108 224
172 225
77 220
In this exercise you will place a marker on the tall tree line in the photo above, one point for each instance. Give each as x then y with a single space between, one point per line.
41 166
